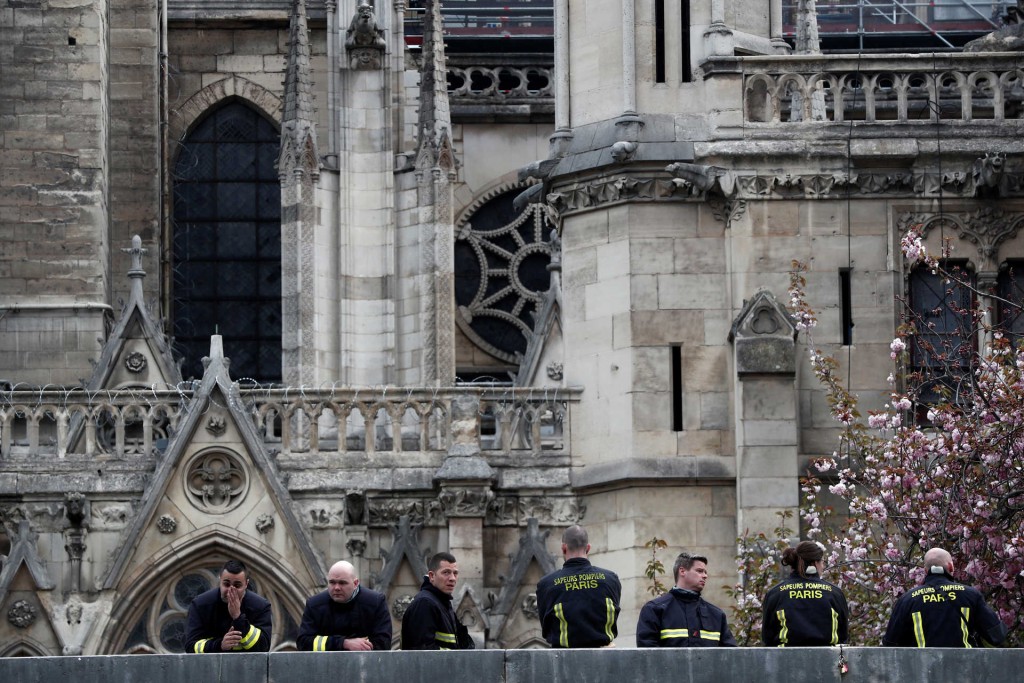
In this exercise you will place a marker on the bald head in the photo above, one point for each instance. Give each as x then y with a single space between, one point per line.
937 557
342 581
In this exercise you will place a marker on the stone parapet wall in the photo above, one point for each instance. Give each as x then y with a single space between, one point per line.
526 666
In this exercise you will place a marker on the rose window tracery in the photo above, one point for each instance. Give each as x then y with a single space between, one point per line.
501 259
215 481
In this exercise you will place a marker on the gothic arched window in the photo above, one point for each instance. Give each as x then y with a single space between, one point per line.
161 627
227 243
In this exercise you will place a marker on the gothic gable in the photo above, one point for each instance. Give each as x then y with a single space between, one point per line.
216 472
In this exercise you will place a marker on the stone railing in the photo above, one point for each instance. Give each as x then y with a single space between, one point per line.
520 86
904 88
139 422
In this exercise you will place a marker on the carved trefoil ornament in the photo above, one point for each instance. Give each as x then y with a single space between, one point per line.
764 337
21 614
135 362
215 481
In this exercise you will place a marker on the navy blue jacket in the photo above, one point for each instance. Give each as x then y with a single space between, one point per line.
942 612
430 623
208 621
326 623
804 612
682 619
578 605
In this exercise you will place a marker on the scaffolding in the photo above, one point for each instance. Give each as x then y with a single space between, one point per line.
842 24
892 24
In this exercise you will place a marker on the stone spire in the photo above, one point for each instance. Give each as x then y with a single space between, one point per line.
807 28
298 132
435 121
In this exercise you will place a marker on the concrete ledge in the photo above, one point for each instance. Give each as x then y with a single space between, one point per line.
479 666
698 665
668 471
251 668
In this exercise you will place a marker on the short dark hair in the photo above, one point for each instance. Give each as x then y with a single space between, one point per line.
685 561
438 558
575 538
234 567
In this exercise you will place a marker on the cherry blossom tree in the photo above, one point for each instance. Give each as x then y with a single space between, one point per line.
942 464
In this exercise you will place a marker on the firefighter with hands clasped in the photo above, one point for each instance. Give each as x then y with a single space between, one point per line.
346 616
804 610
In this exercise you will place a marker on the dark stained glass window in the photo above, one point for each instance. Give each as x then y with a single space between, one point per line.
227 244
942 350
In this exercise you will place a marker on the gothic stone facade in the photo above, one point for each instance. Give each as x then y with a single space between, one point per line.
660 386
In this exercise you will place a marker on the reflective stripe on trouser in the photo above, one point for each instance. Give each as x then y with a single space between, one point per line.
320 644
249 639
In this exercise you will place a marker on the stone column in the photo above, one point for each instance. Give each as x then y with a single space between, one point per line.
767 433
560 139
465 479
629 123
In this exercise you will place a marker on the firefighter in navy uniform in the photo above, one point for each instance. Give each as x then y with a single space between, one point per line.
681 617
229 618
943 612
804 610
430 622
578 604
346 616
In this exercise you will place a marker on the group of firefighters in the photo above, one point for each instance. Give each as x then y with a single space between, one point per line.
578 606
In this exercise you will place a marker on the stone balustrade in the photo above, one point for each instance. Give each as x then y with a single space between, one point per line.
139 422
920 88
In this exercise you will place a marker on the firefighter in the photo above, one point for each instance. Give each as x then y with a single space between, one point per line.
942 612
430 622
681 617
578 605
229 618
804 610
346 616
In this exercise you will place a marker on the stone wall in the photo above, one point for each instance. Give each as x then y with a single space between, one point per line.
876 665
